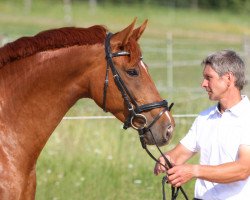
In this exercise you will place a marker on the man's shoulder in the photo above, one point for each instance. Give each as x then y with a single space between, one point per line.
244 109
246 102
209 111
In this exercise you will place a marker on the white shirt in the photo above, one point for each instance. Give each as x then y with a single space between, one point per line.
217 137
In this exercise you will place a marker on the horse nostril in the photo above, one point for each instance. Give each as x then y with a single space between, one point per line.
170 128
169 133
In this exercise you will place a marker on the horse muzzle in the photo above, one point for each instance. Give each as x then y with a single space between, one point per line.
157 132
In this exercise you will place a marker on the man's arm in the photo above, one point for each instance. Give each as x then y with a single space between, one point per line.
224 173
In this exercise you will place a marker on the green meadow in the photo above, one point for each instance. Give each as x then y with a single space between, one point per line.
95 159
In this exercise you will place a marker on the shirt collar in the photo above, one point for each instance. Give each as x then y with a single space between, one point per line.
237 109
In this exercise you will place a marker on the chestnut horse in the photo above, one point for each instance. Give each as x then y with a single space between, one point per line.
41 77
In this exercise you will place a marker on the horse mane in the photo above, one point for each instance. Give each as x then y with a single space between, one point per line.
51 39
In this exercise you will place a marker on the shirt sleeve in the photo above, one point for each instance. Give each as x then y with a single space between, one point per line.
190 140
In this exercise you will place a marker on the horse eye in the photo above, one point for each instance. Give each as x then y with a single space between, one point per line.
132 72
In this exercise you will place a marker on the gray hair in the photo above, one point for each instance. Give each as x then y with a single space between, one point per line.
226 61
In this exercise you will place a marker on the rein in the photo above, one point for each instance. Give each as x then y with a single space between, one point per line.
174 191
135 111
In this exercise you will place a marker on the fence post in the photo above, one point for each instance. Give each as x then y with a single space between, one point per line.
92 5
3 40
67 11
27 6
170 60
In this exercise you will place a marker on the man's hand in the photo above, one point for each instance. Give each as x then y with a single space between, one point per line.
159 168
178 175
176 156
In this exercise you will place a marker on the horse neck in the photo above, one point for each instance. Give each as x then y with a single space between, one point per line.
37 91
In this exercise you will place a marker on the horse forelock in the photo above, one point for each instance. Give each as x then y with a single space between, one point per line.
135 51
51 39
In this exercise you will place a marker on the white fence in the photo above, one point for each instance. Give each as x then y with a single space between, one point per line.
171 63
112 117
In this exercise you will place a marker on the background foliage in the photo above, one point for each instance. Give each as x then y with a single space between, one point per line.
96 159
232 5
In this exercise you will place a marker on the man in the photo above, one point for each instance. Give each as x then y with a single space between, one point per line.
221 134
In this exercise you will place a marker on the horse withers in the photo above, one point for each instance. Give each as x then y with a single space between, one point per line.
41 77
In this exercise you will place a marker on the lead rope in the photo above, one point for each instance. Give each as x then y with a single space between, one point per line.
174 191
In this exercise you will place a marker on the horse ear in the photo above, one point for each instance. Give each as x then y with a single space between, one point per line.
138 32
121 38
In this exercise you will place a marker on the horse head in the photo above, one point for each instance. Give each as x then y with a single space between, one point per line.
130 93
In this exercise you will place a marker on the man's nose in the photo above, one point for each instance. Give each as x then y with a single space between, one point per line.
204 83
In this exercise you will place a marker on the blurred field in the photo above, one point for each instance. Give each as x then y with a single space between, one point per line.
96 159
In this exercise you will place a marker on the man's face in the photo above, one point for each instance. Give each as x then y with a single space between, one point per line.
215 85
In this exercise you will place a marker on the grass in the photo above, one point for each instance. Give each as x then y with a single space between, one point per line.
96 164
96 159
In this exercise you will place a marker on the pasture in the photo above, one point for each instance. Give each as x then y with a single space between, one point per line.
97 159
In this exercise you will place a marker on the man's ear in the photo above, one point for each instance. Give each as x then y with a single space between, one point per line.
230 78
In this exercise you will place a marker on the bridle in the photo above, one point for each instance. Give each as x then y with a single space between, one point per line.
133 108
135 111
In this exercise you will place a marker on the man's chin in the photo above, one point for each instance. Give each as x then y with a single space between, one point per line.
212 98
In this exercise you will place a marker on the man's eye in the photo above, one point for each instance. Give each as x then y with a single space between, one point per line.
132 72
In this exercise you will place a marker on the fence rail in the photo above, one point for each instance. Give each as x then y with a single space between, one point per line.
112 117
